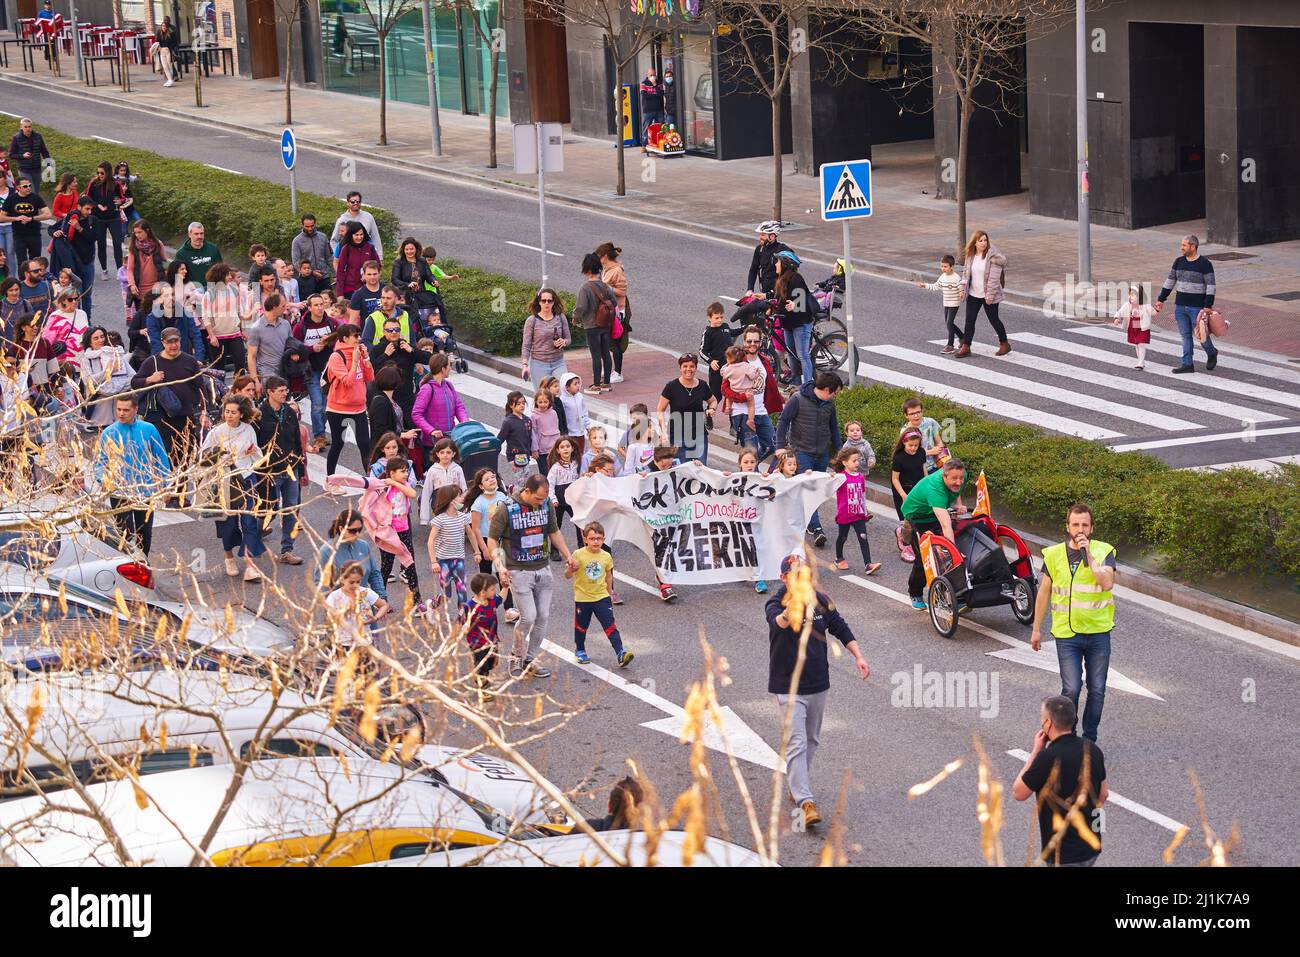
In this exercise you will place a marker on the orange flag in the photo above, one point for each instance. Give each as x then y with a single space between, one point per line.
927 559
983 506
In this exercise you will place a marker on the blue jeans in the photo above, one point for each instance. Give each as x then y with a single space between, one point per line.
86 274
7 244
651 117
818 463
1093 653
286 490
760 438
244 529
697 451
800 339
317 404
539 369
1186 317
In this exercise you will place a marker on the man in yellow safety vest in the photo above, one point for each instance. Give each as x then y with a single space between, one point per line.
1077 581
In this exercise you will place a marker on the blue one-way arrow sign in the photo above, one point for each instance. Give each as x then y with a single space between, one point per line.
288 148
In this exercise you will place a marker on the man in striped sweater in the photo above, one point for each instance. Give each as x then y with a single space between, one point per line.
1192 278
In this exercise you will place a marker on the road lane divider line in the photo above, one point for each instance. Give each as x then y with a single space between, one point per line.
1128 804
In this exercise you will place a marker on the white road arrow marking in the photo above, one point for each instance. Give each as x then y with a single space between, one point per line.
745 742
1022 654
1128 804
1017 651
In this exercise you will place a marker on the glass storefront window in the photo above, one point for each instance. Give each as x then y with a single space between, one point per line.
352 57
696 77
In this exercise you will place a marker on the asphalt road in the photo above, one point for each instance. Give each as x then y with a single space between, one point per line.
1224 707
1061 376
1203 719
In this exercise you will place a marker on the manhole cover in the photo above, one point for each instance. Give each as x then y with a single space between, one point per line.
1229 257
1284 296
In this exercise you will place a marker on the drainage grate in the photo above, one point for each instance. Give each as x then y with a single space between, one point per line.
1229 257
1291 296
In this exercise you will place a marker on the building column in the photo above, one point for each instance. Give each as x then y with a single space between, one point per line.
1222 163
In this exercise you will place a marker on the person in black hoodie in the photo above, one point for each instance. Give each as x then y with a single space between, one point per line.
808 701
714 344
284 466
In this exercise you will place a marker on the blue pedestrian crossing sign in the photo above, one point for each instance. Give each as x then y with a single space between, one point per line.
288 148
846 190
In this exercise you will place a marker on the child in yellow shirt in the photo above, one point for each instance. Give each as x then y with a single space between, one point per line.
593 581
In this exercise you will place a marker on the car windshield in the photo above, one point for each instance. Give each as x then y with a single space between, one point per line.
41 632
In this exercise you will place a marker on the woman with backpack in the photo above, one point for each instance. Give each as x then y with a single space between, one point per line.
613 275
595 311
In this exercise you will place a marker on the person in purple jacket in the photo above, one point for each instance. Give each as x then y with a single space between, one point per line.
438 406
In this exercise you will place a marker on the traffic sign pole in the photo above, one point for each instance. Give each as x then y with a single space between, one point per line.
541 197
293 201
848 307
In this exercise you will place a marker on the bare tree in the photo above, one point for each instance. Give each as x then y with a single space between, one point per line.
289 13
975 46
383 16
493 36
767 38
624 35
122 60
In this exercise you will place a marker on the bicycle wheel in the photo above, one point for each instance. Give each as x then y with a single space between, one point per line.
829 353
829 325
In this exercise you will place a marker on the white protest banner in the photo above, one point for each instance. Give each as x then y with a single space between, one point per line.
699 526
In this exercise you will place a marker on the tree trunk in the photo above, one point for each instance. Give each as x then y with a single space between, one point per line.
383 89
963 148
621 188
778 160
288 75
492 108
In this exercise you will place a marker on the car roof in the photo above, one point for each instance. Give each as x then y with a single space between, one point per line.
81 708
278 799
579 850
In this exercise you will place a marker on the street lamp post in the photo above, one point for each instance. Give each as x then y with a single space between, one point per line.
429 65
1081 135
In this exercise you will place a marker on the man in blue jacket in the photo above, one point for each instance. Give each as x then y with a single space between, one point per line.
132 464
809 427
807 697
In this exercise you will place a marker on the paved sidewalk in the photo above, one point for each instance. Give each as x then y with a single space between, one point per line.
905 237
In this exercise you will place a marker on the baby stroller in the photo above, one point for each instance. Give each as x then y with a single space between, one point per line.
478 447
444 340
973 571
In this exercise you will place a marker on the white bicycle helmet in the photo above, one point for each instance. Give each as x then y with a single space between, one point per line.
769 226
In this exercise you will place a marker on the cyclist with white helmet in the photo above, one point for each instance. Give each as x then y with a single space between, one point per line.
762 272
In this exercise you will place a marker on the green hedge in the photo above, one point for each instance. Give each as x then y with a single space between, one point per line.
489 309
1199 523
236 211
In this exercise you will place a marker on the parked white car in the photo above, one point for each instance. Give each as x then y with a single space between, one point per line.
31 608
579 850
62 546
86 717
285 812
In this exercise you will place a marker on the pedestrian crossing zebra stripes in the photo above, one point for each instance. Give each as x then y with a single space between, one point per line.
1174 349
955 367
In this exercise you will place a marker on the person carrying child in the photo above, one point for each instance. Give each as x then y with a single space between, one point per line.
851 513
1135 316
949 283
592 571
741 377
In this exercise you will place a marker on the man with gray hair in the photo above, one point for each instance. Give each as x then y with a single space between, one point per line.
1192 277
199 255
27 151
1068 773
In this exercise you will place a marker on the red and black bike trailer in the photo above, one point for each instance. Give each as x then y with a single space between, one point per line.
974 572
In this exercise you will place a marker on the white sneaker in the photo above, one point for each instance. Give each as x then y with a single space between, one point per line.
615 378
170 83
